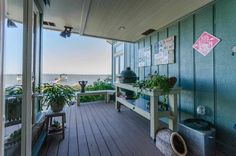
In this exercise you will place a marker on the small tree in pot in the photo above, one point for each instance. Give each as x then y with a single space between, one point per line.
57 96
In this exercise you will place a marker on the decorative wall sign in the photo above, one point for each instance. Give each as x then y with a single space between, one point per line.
164 51
205 43
144 57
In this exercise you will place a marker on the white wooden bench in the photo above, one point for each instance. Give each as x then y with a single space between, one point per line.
106 93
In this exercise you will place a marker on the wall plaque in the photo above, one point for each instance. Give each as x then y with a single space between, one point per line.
164 51
144 57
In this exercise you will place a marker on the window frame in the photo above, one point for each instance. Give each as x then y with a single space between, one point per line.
120 57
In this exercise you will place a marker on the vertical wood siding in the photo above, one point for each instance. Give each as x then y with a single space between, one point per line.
210 80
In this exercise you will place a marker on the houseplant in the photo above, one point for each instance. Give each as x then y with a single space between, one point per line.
157 82
57 95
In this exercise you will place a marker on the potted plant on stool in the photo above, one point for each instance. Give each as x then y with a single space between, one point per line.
57 96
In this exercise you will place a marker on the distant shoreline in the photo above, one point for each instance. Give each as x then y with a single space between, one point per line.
66 74
70 79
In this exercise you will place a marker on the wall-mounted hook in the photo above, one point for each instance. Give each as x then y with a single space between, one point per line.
233 50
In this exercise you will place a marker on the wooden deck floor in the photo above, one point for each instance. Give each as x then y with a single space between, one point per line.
97 129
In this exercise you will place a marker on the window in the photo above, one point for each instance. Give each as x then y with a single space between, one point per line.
118 60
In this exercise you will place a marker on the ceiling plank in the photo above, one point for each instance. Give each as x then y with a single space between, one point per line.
84 15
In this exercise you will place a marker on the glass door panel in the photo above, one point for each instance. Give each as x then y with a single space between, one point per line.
13 70
13 77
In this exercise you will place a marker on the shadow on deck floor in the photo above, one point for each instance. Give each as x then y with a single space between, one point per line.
97 129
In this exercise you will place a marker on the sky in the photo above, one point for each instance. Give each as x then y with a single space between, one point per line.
74 55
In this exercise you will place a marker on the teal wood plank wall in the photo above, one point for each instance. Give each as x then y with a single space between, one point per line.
210 80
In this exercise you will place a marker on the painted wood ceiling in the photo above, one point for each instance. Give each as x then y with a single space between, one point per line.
117 19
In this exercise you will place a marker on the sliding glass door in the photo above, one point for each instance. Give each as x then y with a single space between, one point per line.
20 106
13 67
36 68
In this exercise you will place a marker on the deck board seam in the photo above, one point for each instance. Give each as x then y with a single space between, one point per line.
147 139
90 119
102 135
118 120
92 131
131 116
107 112
107 131
77 132
105 118
67 126
84 130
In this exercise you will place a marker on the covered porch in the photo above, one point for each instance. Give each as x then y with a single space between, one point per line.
135 29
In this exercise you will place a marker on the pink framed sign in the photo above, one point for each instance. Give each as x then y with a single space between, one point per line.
205 43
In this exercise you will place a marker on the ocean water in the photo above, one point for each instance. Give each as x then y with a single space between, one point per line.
11 79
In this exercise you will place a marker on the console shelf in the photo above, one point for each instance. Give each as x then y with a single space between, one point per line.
154 113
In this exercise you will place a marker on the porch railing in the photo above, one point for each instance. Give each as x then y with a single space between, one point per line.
13 110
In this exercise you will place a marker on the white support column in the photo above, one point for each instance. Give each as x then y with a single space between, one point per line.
2 24
26 132
154 120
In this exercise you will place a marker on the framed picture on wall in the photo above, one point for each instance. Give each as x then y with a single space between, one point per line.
164 51
144 57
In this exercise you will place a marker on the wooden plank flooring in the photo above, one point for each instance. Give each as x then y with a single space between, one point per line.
97 129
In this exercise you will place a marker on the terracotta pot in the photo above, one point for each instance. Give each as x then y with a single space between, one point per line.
171 143
56 108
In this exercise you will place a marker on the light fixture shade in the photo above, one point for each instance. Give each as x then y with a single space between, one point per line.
66 32
63 34
11 24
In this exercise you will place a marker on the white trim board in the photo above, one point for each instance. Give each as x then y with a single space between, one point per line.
2 24
26 132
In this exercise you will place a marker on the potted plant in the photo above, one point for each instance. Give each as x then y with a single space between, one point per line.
157 82
57 96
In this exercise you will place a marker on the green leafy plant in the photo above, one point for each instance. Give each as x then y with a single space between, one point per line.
13 103
57 94
97 85
13 90
154 82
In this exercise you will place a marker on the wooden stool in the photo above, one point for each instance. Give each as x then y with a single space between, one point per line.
49 116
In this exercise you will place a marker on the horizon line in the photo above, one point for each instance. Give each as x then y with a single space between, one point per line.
57 74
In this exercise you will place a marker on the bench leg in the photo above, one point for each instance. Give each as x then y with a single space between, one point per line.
117 104
107 98
78 100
